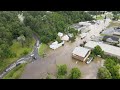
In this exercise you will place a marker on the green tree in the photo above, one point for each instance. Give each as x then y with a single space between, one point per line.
98 51
109 63
75 73
115 17
103 73
116 72
62 69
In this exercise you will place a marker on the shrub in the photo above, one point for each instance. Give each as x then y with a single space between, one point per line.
58 39
62 69
48 77
75 73
25 52
97 51
103 73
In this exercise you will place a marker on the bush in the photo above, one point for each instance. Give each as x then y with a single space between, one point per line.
60 76
58 39
75 73
115 72
62 69
97 51
48 77
103 73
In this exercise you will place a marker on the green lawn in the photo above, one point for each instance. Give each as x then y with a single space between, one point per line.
16 72
16 47
42 49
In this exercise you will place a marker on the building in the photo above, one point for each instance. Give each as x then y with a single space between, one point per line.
108 49
65 38
116 33
111 39
56 45
81 53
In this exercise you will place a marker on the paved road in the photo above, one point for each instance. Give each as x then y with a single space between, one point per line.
24 59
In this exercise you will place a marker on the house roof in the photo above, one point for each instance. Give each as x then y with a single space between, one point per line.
113 38
107 48
65 38
80 51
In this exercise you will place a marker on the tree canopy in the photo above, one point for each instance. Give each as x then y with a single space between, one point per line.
97 51
10 29
47 25
103 73
75 73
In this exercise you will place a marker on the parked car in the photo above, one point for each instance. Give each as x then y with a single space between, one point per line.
89 60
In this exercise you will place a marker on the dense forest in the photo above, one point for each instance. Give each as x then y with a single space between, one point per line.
45 24
10 29
48 24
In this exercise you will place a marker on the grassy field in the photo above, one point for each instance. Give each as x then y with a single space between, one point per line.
16 47
42 49
16 72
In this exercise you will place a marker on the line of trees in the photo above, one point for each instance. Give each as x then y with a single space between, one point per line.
75 73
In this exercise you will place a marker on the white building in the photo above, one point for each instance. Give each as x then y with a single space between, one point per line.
108 49
65 38
56 45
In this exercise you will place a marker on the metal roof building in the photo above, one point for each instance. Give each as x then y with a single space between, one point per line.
108 49
81 53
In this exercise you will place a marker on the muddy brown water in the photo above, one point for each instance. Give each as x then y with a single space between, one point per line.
63 55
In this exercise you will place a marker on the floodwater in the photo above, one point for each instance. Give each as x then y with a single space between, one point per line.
62 55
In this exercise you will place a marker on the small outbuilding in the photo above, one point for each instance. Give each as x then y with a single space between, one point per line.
65 38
